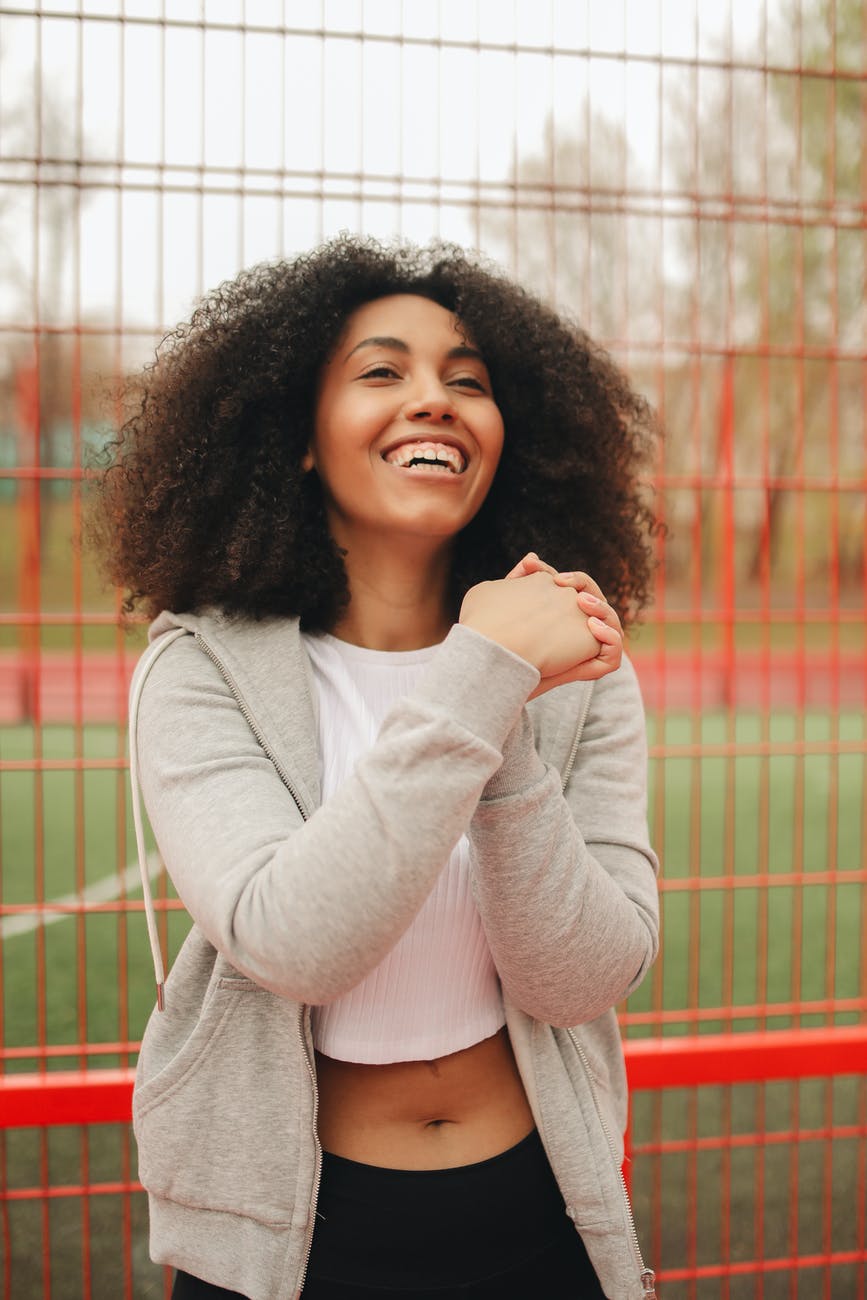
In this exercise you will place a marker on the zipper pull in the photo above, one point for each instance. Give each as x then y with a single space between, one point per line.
648 1278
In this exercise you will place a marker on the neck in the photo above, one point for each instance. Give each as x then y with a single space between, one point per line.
398 597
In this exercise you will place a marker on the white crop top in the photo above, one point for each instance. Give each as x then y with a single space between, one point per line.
437 991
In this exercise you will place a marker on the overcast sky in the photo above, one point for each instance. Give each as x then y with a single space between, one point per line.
206 148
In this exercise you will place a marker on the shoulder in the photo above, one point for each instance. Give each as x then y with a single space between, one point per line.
199 658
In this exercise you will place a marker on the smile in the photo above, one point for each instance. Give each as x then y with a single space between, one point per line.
436 457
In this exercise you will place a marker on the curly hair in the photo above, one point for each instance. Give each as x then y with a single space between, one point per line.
203 501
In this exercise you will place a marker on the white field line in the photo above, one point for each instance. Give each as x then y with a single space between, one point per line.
101 891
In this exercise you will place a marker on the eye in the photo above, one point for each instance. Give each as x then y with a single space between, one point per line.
380 371
469 381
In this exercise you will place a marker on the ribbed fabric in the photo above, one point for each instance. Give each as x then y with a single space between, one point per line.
437 991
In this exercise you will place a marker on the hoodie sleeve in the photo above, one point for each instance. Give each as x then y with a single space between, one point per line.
307 901
566 879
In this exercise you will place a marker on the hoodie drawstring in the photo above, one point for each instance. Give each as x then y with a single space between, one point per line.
141 675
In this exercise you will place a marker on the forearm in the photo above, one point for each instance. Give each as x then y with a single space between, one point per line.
307 908
567 938
566 879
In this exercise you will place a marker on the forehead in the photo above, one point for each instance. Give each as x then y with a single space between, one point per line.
406 316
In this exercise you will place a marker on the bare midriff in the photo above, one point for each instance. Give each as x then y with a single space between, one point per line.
455 1110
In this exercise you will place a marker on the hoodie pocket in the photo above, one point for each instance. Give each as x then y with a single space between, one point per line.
218 1123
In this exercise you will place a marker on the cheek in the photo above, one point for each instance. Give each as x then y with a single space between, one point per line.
496 440
494 457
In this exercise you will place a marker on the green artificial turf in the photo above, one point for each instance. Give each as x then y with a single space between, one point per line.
737 823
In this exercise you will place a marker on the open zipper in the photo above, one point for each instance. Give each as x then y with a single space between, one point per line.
648 1277
251 721
317 1175
579 728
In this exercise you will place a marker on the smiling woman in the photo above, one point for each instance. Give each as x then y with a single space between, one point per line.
406 443
212 456
420 402
394 761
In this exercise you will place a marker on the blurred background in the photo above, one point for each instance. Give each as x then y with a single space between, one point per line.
688 179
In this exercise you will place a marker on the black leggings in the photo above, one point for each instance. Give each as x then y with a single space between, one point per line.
496 1230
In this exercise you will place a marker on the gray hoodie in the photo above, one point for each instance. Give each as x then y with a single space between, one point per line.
293 902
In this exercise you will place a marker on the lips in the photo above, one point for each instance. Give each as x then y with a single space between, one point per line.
438 456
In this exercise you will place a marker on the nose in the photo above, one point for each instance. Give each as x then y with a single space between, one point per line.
433 409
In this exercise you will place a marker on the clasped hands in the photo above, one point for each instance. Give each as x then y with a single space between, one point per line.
559 622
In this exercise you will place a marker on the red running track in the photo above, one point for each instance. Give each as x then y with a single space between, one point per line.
60 687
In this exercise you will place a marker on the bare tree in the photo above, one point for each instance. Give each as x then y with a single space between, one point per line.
44 383
572 234
777 261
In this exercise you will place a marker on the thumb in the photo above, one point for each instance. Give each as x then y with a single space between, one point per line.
530 564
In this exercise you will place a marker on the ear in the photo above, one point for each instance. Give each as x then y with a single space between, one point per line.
307 461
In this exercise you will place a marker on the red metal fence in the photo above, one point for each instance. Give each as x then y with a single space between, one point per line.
690 181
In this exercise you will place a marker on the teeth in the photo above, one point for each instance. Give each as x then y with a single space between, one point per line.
437 455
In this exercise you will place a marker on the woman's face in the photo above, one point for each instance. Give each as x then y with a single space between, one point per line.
407 435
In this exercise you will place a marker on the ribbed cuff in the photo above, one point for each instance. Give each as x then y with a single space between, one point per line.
521 766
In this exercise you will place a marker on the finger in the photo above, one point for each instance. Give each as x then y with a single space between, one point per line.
580 581
520 569
534 564
607 657
530 564
610 650
606 634
595 607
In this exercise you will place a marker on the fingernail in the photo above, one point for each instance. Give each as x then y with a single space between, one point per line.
590 598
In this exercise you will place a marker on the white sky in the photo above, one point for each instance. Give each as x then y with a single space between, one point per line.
154 105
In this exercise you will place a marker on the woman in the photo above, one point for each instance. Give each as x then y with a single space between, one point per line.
396 780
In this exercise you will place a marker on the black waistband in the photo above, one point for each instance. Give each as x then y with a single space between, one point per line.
435 1227
529 1149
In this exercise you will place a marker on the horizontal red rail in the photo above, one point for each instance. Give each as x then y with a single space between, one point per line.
57 1193
744 1268
103 1096
755 1057
66 1097
749 1141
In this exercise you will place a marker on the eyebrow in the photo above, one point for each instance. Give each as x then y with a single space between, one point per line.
398 345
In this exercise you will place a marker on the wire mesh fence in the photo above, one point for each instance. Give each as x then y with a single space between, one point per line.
689 182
